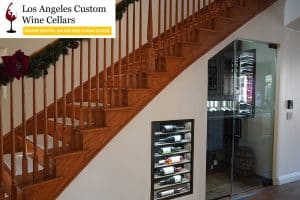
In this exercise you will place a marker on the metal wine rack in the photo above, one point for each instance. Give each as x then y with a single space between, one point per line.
185 131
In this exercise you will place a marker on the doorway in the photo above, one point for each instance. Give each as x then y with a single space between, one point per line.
240 116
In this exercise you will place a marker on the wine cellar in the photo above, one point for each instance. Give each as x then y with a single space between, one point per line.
172 159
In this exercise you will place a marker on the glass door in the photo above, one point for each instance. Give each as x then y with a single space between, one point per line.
240 113
255 64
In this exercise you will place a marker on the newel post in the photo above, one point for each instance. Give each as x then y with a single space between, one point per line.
150 53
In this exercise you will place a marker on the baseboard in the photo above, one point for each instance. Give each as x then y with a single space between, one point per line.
288 178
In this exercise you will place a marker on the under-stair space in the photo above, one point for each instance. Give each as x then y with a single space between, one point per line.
43 154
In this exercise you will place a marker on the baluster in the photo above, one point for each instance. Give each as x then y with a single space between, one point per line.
46 158
141 33
242 3
134 76
176 20
24 157
120 65
97 74
81 81
170 28
1 151
13 144
150 26
188 21
35 157
159 36
199 6
193 17
72 97
140 45
64 141
105 76
228 6
55 135
150 51
112 68
133 33
127 49
194 8
182 20
89 81
165 28
212 14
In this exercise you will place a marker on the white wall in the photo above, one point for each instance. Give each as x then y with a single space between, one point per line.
289 134
292 14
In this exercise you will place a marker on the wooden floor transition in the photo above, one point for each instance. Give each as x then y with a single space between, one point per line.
290 191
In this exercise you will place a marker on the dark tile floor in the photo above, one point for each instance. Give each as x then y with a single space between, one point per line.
290 191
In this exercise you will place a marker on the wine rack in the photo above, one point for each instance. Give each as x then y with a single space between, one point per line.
247 73
172 159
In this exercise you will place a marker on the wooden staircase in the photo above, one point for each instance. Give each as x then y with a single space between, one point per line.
41 156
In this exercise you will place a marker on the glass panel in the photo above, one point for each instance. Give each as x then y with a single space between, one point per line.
255 88
220 111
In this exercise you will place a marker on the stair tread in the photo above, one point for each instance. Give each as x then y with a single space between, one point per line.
206 29
108 88
86 104
40 141
18 163
68 121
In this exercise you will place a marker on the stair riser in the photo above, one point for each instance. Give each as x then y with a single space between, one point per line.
7 144
171 64
132 79
88 139
63 133
85 114
155 80
94 98
135 96
35 191
224 24
112 115
91 116
40 152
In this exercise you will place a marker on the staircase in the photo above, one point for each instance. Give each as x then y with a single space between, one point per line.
43 154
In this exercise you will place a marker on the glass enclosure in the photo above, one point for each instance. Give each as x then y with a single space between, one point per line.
240 110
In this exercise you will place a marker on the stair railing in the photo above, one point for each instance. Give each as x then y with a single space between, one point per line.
90 80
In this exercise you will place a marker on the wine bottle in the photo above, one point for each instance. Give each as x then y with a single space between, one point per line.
174 159
170 139
169 192
169 170
171 128
172 180
166 150
161 162
171 160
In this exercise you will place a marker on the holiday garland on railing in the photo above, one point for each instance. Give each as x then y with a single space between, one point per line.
122 7
19 65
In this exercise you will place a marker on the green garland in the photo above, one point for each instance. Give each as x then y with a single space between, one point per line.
122 7
40 62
